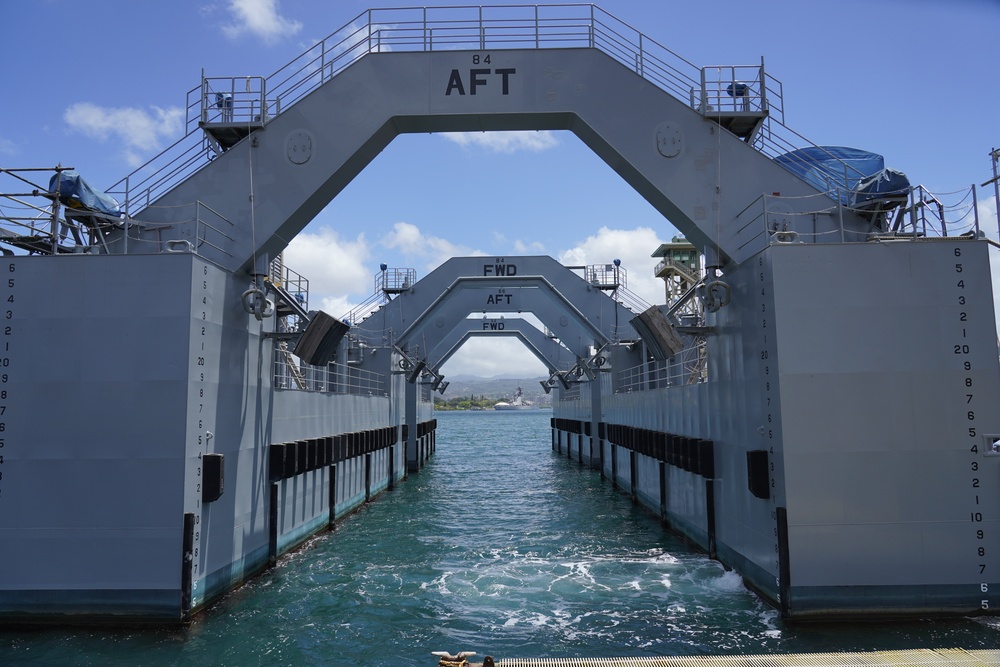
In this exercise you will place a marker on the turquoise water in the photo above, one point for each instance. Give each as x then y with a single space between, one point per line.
497 546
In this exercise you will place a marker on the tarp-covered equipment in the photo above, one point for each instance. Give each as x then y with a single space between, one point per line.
76 193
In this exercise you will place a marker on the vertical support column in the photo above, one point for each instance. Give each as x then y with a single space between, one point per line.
600 443
663 492
614 466
368 477
392 466
332 522
402 445
187 567
596 418
272 527
412 452
634 491
710 518
784 568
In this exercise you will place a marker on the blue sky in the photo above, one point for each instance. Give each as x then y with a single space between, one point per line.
100 85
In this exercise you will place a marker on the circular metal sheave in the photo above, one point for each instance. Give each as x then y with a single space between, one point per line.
299 146
669 139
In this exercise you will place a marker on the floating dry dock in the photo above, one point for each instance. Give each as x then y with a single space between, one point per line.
815 405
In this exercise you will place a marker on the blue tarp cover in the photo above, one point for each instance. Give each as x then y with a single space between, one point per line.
75 192
888 183
824 166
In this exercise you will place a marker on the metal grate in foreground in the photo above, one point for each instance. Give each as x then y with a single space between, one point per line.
871 659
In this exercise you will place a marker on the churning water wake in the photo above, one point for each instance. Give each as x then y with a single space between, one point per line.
497 546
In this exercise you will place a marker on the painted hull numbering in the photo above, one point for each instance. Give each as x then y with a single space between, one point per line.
840 453
188 471
814 406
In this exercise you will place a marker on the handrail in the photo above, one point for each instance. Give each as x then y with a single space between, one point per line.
915 213
631 300
336 378
417 29
689 368
497 27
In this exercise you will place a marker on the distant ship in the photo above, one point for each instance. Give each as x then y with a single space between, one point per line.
517 404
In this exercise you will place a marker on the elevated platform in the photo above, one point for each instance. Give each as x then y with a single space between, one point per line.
744 124
230 108
229 134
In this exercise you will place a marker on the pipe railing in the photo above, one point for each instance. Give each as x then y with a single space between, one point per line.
915 213
334 378
690 367
412 29
495 27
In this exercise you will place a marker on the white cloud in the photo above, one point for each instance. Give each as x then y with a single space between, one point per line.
415 246
633 247
490 356
338 306
530 248
335 267
354 39
139 131
505 142
7 147
987 211
261 19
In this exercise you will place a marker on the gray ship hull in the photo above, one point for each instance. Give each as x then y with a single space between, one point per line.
828 429
863 380
146 366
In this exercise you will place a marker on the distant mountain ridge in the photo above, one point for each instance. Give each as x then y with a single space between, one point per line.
496 388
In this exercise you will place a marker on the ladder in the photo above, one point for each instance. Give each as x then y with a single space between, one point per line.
293 366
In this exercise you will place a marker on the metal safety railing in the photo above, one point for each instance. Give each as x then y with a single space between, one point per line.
613 278
606 276
630 300
737 89
211 230
335 378
571 393
916 213
230 99
494 27
37 220
710 90
690 366
387 281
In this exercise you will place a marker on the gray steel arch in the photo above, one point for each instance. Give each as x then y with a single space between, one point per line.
579 314
550 352
272 184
